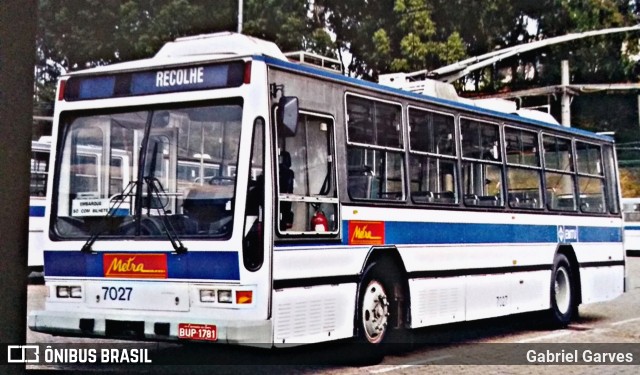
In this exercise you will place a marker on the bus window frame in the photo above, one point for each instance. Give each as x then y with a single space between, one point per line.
601 177
538 168
500 163
571 172
421 154
400 151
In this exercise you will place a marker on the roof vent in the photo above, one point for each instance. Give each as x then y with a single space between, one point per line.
421 86
219 44
318 61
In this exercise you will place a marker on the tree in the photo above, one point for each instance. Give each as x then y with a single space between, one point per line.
592 60
78 34
389 36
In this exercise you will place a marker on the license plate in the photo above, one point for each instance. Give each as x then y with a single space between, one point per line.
197 332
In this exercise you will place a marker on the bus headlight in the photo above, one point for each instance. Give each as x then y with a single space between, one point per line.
75 291
207 295
62 291
224 296
68 291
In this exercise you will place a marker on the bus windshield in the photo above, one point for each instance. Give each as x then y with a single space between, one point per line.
137 173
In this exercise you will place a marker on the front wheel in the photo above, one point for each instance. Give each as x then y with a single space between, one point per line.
374 311
380 304
563 292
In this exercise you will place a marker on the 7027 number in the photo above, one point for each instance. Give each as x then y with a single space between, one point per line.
116 294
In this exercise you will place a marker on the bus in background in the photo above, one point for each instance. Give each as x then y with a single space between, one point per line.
272 202
40 154
631 215
40 151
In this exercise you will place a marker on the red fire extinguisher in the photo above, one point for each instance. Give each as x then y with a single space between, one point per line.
319 222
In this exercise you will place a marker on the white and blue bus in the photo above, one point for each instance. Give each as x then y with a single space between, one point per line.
37 200
315 206
40 155
631 216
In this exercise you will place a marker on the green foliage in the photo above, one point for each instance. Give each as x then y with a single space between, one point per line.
389 36
379 36
630 182
284 23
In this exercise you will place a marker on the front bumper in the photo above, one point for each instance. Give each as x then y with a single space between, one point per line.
151 328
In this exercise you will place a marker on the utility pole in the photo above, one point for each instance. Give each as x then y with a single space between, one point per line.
638 109
240 16
565 104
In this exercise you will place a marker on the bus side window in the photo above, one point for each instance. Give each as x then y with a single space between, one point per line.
360 181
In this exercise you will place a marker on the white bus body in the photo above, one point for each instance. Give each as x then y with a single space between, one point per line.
631 216
37 200
378 209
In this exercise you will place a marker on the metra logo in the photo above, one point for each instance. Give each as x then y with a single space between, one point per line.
366 232
146 266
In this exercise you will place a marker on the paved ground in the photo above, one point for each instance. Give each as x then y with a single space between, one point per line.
612 327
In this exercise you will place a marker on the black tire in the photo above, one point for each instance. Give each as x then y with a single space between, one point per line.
377 309
563 292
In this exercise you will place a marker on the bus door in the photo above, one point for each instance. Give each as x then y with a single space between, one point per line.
308 201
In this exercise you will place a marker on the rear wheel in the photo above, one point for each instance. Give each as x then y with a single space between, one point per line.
563 292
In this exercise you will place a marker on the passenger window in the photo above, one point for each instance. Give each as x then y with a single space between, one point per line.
480 140
590 178
557 153
523 169
559 180
373 122
613 203
39 172
560 191
482 167
432 158
375 151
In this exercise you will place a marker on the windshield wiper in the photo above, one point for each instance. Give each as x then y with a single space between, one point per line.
154 188
120 198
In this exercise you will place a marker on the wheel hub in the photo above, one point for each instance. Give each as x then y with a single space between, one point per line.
562 289
375 312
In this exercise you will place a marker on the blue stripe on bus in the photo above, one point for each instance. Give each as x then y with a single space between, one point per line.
406 233
631 227
599 234
211 265
36 211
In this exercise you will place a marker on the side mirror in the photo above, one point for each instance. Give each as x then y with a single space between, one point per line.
287 115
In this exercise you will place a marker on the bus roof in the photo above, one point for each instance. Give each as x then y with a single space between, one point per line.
200 48
464 104
224 45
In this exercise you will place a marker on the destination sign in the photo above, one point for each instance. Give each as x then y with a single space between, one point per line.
203 77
